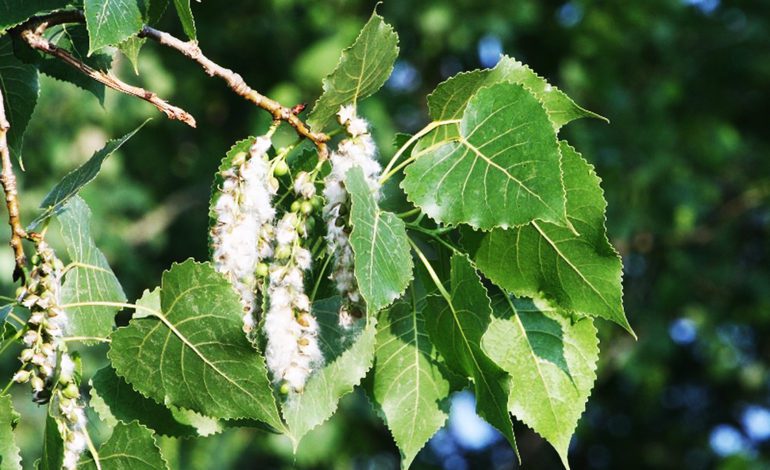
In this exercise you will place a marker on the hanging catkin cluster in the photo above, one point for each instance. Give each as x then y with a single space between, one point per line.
242 235
292 351
46 365
357 150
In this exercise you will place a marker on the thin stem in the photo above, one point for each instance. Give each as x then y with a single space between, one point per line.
86 338
425 130
433 234
320 276
411 158
92 450
409 213
8 181
429 267
12 339
95 303
16 318
191 50
32 33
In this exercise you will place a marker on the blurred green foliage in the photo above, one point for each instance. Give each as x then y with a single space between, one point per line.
684 165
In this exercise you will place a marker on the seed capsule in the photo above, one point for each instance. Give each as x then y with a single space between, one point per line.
281 168
71 391
295 206
306 207
285 388
262 270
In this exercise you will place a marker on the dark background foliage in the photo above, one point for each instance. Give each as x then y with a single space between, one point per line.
684 167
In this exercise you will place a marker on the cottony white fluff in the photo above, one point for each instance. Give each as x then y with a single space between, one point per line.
242 235
292 351
357 150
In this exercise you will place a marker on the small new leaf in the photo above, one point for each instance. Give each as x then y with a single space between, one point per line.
363 68
552 364
192 353
90 279
74 181
500 169
383 265
579 272
348 356
131 447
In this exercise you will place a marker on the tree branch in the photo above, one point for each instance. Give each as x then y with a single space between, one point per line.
32 33
8 180
191 50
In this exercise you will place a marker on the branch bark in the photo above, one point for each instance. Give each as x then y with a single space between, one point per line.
8 181
191 50
32 33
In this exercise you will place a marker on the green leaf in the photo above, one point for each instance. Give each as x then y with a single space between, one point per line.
74 181
131 447
348 355
154 11
501 169
20 88
449 99
89 280
74 39
455 327
560 107
53 445
409 385
580 273
14 12
111 22
131 48
192 352
184 12
383 264
552 364
10 457
363 68
116 401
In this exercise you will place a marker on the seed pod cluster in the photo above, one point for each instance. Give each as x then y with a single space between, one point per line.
46 364
242 235
356 150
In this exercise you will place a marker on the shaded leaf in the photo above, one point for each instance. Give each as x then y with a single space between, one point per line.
116 401
89 280
552 364
409 385
20 88
14 12
580 273
500 170
383 264
131 447
74 39
348 356
455 327
192 353
111 22
53 445
184 12
363 68
74 181
10 457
